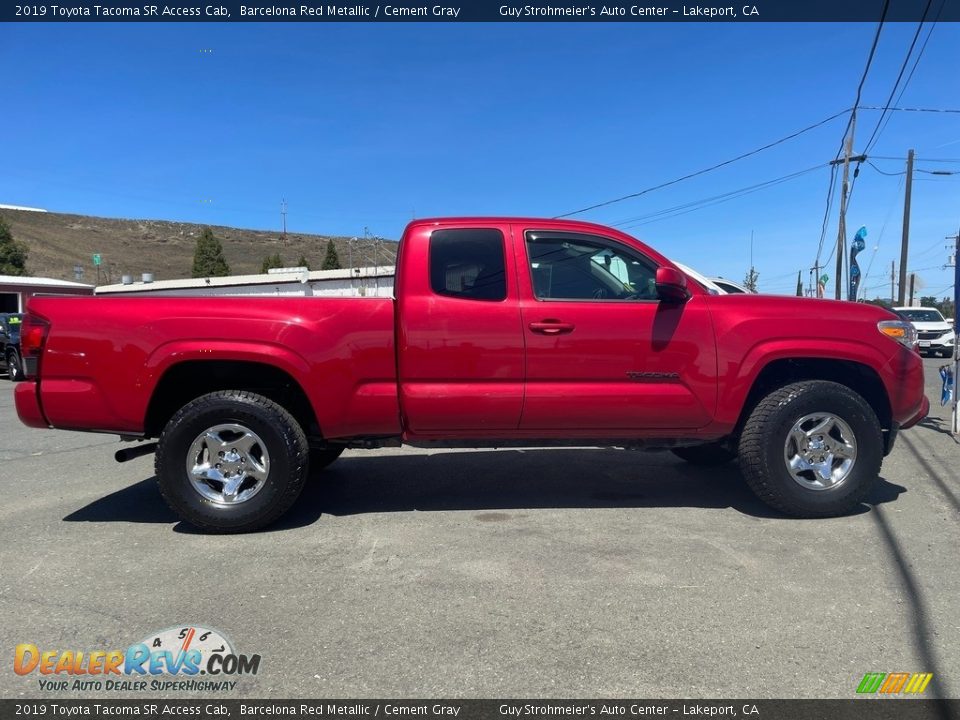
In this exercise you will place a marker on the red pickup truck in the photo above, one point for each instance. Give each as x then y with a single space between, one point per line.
504 331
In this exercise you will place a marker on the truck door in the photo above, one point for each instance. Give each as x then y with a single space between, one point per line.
459 338
604 354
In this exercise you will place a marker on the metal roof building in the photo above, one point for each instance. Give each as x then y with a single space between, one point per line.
16 291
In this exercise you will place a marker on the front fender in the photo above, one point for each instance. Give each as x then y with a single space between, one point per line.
738 377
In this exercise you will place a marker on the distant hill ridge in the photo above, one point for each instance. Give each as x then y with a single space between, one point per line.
58 241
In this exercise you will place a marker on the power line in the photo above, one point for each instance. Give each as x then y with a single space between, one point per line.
916 62
685 208
883 229
893 91
922 170
705 170
903 109
884 172
863 76
847 139
919 159
826 213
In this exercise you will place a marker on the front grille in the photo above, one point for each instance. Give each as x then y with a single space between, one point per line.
932 334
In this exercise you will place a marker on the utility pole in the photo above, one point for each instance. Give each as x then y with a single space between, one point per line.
844 188
913 277
906 225
283 214
892 298
848 157
955 424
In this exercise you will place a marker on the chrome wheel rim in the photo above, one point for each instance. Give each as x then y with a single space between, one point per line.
228 464
820 451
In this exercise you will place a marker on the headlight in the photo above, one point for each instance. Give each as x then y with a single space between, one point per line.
903 332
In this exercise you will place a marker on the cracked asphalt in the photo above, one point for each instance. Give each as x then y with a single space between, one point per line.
535 573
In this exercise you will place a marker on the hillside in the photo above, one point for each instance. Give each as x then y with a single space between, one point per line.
57 242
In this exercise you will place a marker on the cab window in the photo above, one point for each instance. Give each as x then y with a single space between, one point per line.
571 266
468 263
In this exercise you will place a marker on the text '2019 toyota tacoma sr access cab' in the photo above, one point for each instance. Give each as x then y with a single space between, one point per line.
504 331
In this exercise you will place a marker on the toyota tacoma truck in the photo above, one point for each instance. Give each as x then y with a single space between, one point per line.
502 332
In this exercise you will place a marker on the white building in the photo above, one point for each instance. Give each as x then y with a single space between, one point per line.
353 282
16 291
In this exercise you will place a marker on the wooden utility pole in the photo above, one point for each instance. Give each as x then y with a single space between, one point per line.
844 192
844 188
913 278
906 226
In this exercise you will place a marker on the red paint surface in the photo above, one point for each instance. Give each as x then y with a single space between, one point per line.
432 366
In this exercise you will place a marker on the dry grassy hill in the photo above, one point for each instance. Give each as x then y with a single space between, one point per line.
57 242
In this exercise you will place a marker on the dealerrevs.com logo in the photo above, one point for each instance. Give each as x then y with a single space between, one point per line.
172 659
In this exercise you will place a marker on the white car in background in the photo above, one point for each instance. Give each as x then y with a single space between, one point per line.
729 286
937 336
714 286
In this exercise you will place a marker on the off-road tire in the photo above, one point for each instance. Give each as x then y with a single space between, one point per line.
765 434
282 436
706 455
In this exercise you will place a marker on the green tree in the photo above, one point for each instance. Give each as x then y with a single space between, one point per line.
13 254
750 280
208 260
271 261
331 261
302 262
799 286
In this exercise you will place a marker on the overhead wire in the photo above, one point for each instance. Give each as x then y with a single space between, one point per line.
850 121
688 176
916 62
709 201
893 91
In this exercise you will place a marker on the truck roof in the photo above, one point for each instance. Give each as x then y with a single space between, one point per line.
572 225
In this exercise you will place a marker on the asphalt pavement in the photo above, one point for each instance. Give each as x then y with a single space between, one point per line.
533 573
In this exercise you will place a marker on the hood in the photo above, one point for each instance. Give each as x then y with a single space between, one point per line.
928 326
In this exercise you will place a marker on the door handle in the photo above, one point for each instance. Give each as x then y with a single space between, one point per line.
552 327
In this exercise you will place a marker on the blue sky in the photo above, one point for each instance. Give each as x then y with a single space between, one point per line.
371 124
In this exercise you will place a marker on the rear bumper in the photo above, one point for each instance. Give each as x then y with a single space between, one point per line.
27 400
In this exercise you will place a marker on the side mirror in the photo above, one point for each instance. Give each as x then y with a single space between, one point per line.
672 285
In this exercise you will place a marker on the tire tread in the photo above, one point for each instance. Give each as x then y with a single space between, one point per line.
290 431
754 440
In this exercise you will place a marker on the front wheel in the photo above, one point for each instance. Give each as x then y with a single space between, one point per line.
15 366
812 449
231 461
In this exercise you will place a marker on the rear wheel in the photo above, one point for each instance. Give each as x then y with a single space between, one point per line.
707 455
231 461
812 449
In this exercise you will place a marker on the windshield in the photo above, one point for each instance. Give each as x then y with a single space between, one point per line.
917 315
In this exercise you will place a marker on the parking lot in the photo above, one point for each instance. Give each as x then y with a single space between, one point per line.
535 573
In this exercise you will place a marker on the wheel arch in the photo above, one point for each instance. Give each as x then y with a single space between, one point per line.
190 379
859 377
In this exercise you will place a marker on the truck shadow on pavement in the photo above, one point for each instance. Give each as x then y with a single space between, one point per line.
487 481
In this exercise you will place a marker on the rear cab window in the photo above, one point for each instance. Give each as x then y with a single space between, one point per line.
468 263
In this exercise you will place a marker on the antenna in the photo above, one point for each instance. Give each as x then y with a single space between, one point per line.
283 214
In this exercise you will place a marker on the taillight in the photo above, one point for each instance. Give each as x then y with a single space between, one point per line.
33 335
